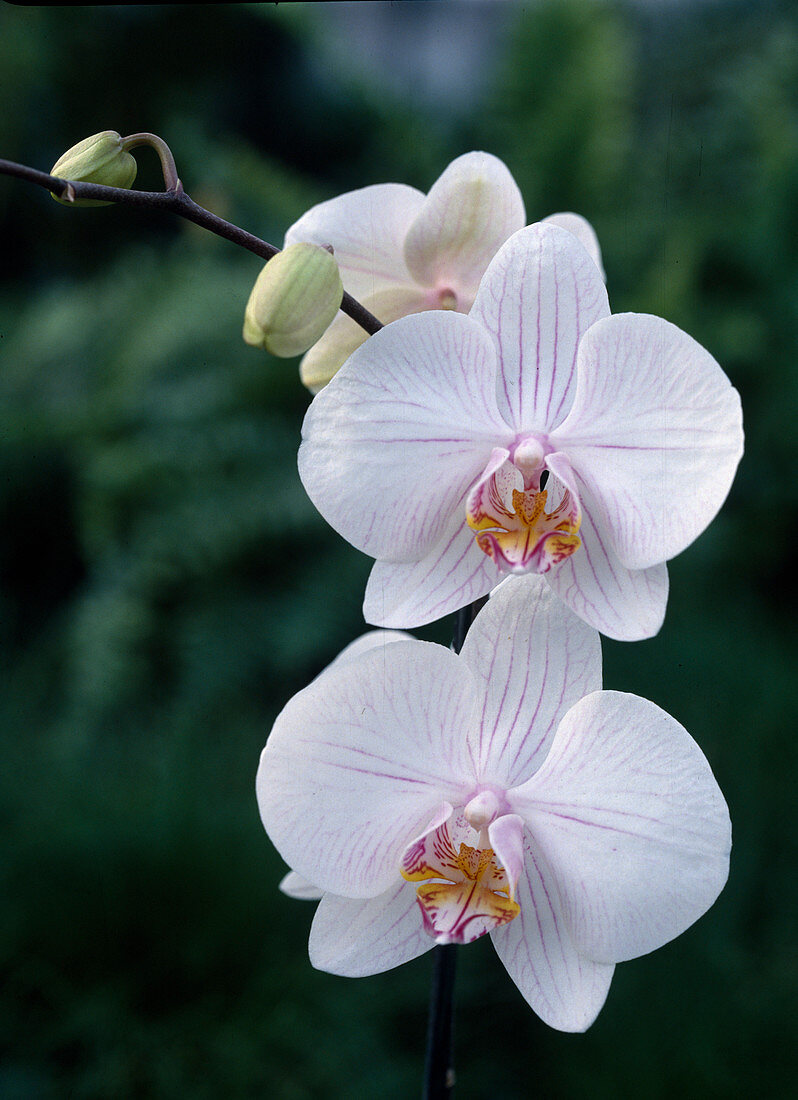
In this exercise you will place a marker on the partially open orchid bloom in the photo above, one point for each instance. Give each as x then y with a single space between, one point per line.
431 798
400 251
536 434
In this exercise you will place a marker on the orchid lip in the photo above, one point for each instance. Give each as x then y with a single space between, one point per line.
464 892
506 509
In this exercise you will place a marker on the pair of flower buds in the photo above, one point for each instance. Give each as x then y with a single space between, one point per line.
296 295
504 423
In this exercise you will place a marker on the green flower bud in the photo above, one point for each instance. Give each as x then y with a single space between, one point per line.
97 159
294 300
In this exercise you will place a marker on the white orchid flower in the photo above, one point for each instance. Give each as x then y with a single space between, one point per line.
429 450
400 251
431 798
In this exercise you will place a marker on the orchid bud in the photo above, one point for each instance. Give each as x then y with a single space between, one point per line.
100 158
294 300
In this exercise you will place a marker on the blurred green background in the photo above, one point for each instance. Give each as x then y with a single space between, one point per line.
165 586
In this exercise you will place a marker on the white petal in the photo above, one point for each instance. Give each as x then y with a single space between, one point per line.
563 987
355 937
584 233
655 432
329 354
393 443
367 230
632 823
539 295
361 761
297 887
454 573
469 213
374 639
533 658
625 604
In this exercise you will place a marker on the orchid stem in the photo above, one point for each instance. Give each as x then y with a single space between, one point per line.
175 201
439 1069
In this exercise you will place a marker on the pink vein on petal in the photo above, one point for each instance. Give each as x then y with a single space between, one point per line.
530 855
537 319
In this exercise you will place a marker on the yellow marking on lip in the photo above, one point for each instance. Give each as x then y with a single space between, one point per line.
511 537
473 897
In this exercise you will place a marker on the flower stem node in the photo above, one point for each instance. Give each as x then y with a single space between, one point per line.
100 158
294 300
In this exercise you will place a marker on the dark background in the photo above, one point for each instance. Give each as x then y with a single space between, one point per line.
165 585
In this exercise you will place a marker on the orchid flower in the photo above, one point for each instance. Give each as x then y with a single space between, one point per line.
536 434
429 797
400 251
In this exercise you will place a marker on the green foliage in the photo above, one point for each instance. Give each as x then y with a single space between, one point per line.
562 108
165 586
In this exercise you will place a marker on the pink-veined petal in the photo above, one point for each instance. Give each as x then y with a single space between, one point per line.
454 573
295 886
533 659
344 335
584 233
356 937
655 433
468 214
625 604
372 640
367 230
632 823
362 760
391 446
541 293
562 986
